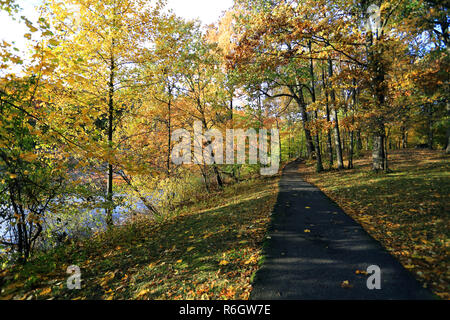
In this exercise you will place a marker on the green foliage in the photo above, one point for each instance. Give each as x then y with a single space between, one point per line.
30 171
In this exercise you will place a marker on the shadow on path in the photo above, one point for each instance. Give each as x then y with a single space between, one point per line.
313 265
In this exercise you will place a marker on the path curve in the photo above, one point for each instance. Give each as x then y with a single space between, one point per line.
314 264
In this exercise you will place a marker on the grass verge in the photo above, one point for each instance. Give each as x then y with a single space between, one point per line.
209 251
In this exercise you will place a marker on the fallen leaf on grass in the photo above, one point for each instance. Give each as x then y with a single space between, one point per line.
45 292
252 259
109 276
143 292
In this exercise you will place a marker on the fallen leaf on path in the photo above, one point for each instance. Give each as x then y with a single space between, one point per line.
361 272
346 284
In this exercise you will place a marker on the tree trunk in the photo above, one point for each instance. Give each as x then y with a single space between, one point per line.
344 134
337 137
301 104
109 185
447 149
337 141
319 165
353 109
378 152
327 107
218 177
309 141
215 169
386 164
404 141
430 127
289 143
230 117
169 128
350 151
359 145
205 177
377 71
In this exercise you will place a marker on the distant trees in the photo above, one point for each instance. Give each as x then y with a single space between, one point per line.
373 52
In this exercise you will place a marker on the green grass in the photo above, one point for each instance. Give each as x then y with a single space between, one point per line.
210 250
406 210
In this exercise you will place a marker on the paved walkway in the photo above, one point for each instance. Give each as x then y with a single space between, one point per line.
313 265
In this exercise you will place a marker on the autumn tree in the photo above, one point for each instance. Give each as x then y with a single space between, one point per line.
203 91
98 46
359 38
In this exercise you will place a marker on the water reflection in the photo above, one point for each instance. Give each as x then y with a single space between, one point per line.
83 222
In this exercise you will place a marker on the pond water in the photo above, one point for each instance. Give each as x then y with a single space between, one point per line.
83 222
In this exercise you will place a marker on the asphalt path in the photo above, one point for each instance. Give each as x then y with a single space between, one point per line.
314 250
